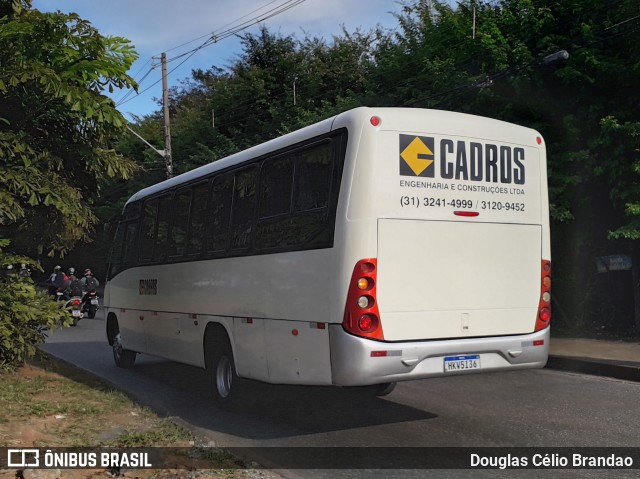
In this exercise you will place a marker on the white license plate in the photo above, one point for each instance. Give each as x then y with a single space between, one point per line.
94 301
461 363
76 313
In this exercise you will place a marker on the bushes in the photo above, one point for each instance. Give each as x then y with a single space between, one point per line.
25 316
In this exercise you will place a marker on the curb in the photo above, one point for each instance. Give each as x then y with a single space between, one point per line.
600 367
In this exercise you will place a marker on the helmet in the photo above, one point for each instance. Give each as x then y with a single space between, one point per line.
57 268
23 265
9 266
72 270
87 272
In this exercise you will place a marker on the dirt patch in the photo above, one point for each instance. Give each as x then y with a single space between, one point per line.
47 403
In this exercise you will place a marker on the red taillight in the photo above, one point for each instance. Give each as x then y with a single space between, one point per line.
368 323
76 302
544 307
361 315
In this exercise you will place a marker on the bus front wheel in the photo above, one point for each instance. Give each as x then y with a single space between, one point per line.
123 357
225 384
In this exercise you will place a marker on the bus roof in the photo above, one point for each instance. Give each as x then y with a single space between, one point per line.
401 118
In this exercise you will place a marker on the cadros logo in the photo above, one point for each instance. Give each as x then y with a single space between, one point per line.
464 160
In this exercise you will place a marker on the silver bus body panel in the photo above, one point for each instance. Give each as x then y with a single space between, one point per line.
352 363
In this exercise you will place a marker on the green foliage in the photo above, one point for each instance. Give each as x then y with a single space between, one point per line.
57 132
25 314
56 127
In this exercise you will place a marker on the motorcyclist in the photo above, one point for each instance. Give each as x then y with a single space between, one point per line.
24 273
53 277
61 283
75 284
89 284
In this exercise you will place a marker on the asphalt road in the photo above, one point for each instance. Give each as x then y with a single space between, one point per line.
537 408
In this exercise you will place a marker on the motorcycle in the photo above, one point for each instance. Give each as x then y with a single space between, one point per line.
91 304
74 305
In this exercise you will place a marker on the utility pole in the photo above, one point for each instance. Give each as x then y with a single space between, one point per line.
165 110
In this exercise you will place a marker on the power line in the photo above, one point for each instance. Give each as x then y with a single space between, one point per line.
215 37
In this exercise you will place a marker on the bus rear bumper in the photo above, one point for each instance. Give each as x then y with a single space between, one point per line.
358 361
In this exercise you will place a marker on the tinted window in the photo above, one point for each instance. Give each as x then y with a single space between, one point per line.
306 223
129 251
244 199
313 178
115 259
147 230
179 223
276 184
220 207
164 216
197 218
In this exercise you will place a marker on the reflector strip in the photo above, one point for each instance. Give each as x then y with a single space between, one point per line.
466 213
539 342
382 354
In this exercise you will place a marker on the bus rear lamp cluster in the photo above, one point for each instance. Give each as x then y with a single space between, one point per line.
361 315
544 307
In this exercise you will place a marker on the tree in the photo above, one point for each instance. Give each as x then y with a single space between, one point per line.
57 129
56 135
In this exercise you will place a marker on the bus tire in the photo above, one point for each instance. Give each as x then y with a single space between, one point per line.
224 383
123 358
383 389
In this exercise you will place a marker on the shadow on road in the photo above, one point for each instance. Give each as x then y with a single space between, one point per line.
179 390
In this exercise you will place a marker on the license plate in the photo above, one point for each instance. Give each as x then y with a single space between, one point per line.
76 313
94 301
461 363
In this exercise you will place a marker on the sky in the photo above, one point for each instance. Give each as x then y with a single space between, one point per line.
179 26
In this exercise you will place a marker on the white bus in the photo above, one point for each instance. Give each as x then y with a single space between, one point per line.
380 245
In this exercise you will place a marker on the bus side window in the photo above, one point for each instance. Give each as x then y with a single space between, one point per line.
297 225
312 186
243 210
313 178
147 235
220 213
276 182
179 225
130 238
197 219
164 216
115 258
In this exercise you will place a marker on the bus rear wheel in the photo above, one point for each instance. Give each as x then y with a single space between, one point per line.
225 384
383 389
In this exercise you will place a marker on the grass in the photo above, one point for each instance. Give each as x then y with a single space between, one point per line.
48 403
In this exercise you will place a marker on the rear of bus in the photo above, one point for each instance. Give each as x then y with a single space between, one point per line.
443 226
